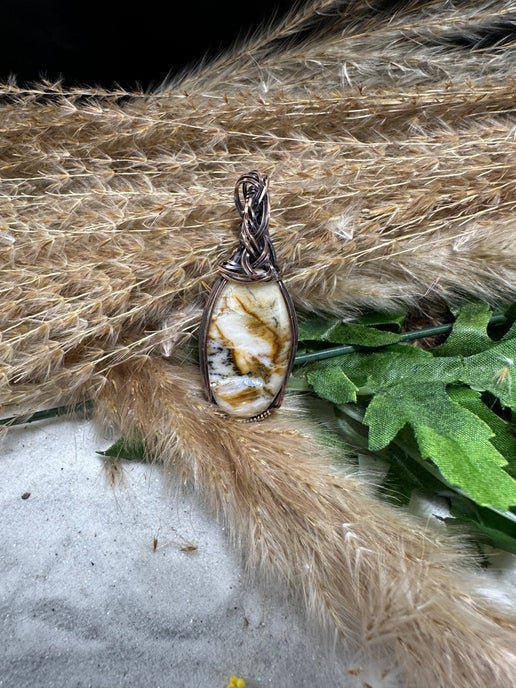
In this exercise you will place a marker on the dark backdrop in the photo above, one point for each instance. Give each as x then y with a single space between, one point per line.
108 43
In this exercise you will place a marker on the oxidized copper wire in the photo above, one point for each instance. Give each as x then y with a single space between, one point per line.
255 259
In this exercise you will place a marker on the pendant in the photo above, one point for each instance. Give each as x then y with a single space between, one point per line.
248 332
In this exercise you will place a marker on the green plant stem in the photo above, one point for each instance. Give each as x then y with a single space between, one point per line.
85 406
404 337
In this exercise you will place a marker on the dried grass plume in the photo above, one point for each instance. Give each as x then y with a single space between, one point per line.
388 132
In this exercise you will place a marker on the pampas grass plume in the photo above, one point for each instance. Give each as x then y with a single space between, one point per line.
387 130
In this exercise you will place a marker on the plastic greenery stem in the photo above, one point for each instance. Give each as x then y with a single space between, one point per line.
83 407
334 351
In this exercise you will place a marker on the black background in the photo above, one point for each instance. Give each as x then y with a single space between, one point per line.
109 43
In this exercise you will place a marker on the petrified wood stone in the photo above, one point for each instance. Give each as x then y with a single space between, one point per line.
249 343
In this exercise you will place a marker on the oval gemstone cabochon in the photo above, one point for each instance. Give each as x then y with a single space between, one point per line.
248 348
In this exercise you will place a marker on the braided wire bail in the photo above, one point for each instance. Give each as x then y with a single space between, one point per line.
255 259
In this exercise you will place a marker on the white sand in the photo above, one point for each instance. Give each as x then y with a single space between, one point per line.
85 601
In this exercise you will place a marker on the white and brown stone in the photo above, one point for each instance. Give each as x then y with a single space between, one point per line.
249 344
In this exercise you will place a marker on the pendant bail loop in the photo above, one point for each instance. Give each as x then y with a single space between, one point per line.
255 258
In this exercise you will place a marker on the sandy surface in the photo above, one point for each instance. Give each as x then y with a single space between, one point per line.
86 601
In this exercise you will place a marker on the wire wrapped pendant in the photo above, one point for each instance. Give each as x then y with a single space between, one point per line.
248 330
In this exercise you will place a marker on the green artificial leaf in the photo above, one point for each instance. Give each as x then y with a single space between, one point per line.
364 368
511 332
316 329
337 332
469 332
492 371
400 365
436 398
408 472
404 473
392 320
455 439
128 449
408 387
360 335
504 438
330 382
473 465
